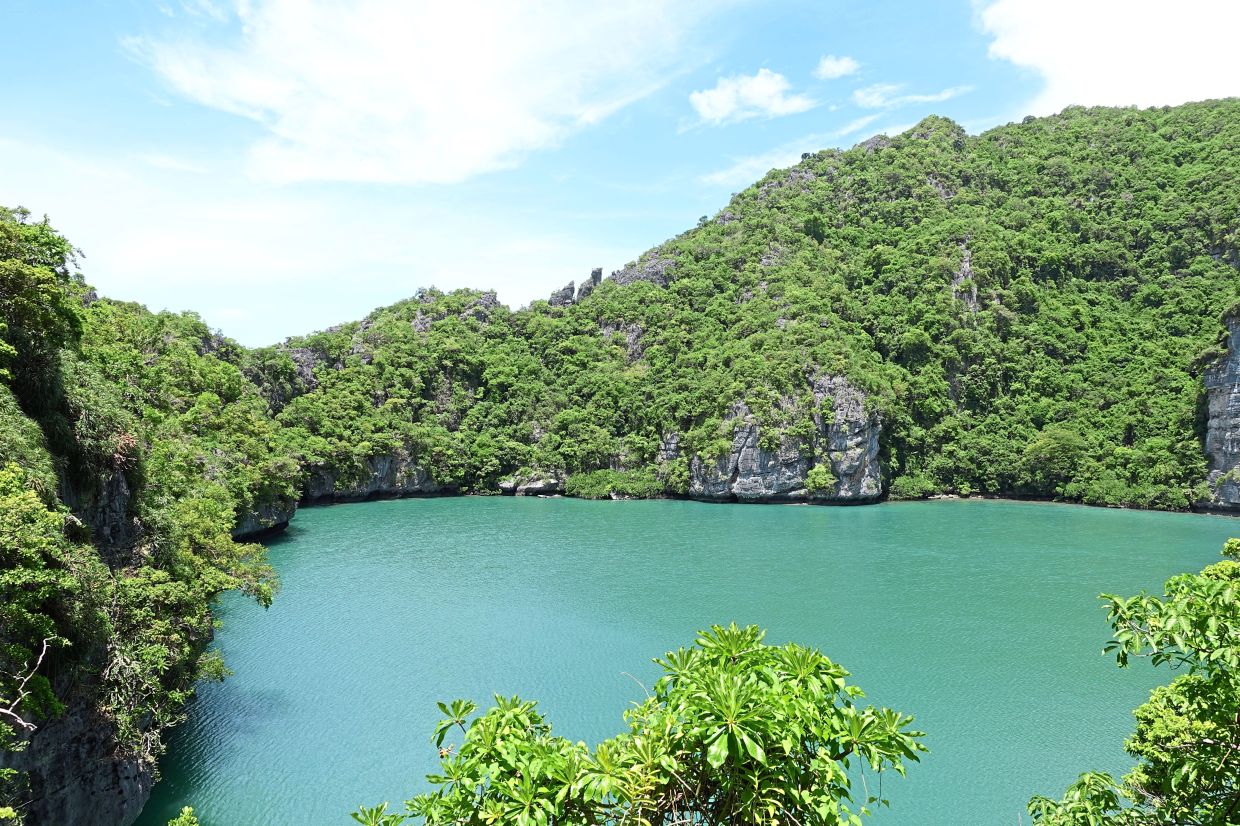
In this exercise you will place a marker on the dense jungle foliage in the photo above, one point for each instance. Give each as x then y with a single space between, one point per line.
1029 309
143 424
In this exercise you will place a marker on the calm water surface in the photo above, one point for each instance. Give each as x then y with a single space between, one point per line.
979 617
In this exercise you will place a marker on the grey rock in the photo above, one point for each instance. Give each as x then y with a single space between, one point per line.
875 144
750 472
265 518
540 486
563 296
75 774
480 308
508 486
387 475
797 177
848 440
104 508
845 442
669 446
964 273
774 255
654 267
587 287
632 338
1222 442
945 192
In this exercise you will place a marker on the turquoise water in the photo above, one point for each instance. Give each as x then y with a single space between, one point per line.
979 617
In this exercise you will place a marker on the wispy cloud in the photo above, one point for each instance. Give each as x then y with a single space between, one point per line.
887 96
831 67
746 170
854 126
1118 52
171 163
742 97
395 92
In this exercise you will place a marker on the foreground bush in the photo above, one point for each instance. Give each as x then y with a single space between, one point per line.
734 731
1187 741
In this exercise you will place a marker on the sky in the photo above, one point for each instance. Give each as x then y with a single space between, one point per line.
279 166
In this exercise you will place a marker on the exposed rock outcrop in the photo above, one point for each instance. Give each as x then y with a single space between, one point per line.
75 775
379 476
847 439
563 296
541 486
103 506
267 517
655 266
669 446
587 287
844 445
964 287
1222 442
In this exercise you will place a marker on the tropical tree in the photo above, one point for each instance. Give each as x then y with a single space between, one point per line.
1187 740
734 731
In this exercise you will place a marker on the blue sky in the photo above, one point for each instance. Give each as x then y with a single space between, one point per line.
281 166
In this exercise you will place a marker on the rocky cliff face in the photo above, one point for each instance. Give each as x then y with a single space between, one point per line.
103 506
845 444
267 517
388 475
1222 442
75 776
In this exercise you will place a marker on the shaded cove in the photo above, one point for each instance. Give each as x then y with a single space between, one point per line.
979 617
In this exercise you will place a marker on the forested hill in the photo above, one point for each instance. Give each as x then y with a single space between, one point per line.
1022 312
1038 310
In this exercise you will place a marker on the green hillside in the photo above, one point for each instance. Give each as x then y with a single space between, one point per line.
1028 309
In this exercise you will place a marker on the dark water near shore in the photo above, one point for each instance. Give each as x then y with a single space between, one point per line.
980 617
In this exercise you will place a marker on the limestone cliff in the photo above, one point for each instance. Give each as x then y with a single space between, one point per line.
75 776
264 518
1222 440
397 474
844 443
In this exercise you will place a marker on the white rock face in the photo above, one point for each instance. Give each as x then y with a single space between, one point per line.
845 442
1222 443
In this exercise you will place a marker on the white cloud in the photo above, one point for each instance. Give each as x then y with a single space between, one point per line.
395 92
831 67
171 163
742 97
266 262
885 96
854 126
744 171
1119 52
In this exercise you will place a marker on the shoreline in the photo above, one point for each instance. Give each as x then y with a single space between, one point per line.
322 502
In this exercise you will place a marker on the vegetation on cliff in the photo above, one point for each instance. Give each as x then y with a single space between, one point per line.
137 431
1029 310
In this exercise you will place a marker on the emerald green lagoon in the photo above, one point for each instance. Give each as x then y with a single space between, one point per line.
979 617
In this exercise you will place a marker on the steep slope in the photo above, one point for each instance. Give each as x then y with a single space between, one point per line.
131 448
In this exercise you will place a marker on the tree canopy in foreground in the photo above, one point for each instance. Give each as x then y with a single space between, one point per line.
1187 741
734 731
